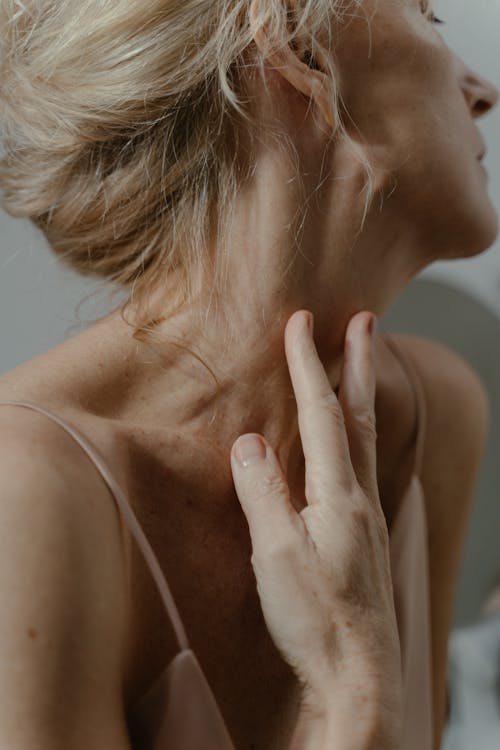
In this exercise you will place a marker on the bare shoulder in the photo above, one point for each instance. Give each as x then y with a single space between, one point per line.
457 400
455 436
456 426
62 591
456 429
50 484
43 465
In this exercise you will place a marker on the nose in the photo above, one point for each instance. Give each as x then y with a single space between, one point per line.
481 95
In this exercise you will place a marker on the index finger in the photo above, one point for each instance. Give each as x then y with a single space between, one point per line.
321 420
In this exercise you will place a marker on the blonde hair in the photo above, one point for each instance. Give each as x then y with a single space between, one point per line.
120 125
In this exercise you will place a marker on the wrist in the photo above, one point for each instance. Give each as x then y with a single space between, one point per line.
355 717
368 731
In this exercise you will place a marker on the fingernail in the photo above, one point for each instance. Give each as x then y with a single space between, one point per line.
372 325
250 449
310 323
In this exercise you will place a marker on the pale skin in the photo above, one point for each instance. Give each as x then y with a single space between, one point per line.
171 421
323 574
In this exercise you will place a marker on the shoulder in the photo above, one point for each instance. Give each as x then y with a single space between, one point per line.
37 454
29 437
454 393
63 578
45 475
456 424
456 418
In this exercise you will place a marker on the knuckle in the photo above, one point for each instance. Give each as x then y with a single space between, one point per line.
272 485
277 554
320 484
363 579
371 527
329 404
382 530
366 423
362 522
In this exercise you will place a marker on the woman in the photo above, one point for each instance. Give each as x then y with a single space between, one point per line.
230 163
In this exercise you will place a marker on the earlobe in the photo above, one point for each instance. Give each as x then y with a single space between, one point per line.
303 72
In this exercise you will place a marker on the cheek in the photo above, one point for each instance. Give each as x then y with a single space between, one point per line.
403 93
415 123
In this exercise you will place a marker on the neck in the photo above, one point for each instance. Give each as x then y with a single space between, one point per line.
226 380
244 385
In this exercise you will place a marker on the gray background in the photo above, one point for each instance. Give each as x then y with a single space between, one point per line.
457 303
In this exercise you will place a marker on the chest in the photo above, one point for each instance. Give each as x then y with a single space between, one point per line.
203 547
206 562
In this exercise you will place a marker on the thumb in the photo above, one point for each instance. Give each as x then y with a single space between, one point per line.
264 495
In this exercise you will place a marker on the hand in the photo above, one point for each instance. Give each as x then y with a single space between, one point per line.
323 574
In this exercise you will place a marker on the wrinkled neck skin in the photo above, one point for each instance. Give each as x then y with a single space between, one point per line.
333 270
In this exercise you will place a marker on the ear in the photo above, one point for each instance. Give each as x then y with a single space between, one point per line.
298 67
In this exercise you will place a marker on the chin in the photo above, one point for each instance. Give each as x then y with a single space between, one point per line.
484 234
492 229
474 233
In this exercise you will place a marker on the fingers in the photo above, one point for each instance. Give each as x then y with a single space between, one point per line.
338 435
264 495
357 399
321 422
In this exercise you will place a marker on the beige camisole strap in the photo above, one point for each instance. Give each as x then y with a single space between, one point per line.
421 403
128 515
179 710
